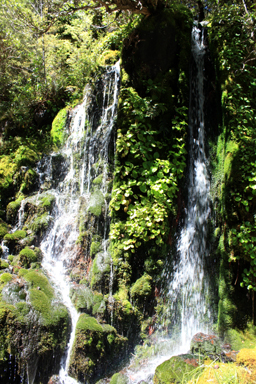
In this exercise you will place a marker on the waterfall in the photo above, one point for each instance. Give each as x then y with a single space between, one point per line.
187 311
188 287
86 157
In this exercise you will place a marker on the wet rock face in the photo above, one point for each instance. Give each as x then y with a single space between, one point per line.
205 344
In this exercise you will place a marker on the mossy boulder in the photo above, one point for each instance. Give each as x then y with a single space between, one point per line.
178 369
247 357
27 256
96 202
5 277
12 210
37 322
4 264
119 378
14 240
97 348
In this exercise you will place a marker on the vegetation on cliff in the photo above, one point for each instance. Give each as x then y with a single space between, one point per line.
49 53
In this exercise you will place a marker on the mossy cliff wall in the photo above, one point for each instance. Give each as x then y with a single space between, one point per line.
147 205
233 165
150 160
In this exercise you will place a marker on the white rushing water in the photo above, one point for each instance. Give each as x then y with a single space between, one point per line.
188 288
87 143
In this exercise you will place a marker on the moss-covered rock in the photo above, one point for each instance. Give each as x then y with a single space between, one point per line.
142 287
40 328
178 369
119 378
85 300
95 248
14 240
27 256
100 271
96 349
4 264
5 277
96 202
12 210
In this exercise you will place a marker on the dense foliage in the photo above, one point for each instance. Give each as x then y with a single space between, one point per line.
49 52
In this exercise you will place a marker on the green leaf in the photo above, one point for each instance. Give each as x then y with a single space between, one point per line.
143 188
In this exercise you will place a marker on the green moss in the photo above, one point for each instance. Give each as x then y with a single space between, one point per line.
47 201
28 181
142 286
239 339
40 223
99 305
41 296
96 202
3 228
7 171
10 258
174 370
3 264
100 267
27 256
15 236
58 127
25 156
109 57
12 209
98 180
95 248
88 323
119 378
37 279
231 149
5 277
95 345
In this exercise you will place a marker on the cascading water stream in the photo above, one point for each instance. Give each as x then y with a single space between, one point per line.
188 288
83 149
